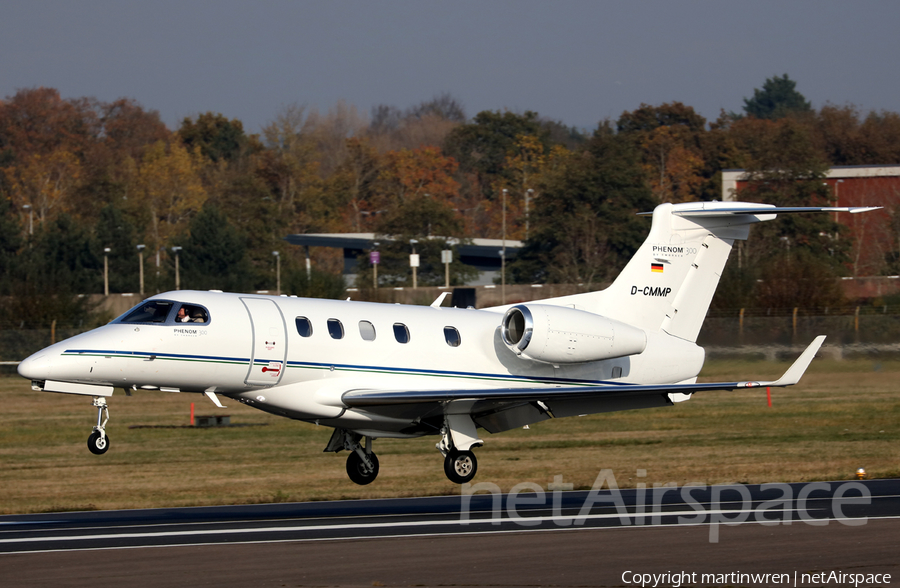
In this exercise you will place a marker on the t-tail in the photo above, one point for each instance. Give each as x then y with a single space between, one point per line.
669 283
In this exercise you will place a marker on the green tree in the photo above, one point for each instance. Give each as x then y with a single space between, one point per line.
217 137
10 243
113 231
785 168
777 99
214 254
481 146
56 265
585 226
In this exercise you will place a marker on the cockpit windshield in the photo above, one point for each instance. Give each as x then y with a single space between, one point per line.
150 311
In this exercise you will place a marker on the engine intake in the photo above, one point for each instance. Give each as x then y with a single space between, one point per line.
558 334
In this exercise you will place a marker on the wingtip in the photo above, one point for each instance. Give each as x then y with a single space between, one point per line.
799 367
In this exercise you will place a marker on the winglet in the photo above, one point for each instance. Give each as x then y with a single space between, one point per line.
796 371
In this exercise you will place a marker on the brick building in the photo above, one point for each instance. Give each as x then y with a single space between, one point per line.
873 233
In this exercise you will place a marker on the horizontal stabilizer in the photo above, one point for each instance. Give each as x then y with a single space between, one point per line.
702 209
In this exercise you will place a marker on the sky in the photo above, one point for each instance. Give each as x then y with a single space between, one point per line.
578 62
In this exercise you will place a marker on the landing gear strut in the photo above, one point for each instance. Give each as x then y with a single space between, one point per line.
98 442
362 463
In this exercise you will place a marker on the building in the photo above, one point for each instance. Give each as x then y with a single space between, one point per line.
875 234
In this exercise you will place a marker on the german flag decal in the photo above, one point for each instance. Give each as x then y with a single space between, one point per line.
656 267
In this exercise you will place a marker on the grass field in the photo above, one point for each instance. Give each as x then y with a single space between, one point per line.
842 416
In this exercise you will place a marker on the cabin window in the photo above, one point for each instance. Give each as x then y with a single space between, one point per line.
191 313
367 330
617 372
451 336
151 311
401 333
335 329
304 327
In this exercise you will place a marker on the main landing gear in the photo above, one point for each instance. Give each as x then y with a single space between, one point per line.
460 464
458 438
362 463
98 442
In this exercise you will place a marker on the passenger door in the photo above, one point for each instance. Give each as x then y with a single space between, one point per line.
269 351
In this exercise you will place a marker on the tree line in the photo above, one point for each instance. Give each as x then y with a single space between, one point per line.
79 176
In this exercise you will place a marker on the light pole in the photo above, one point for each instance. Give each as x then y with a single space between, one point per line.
414 261
277 272
529 194
106 251
836 199
30 210
140 250
175 250
375 259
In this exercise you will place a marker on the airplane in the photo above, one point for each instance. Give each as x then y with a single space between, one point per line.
372 370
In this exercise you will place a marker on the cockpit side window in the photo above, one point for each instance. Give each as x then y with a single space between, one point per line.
191 313
150 311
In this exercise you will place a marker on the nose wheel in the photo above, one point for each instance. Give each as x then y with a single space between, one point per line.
98 442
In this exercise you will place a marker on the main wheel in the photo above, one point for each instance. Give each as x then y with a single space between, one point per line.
357 471
460 466
97 443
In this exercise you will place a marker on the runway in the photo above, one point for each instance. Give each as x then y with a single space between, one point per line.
598 538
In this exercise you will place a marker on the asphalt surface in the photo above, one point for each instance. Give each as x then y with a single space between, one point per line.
550 539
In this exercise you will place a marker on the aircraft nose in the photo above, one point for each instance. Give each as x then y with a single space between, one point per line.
35 367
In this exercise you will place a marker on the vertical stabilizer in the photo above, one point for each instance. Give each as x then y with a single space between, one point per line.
669 283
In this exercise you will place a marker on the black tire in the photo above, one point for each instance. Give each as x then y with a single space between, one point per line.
97 443
357 470
460 466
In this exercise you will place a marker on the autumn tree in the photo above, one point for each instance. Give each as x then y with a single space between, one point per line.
670 138
355 183
168 190
417 190
424 124
44 181
290 168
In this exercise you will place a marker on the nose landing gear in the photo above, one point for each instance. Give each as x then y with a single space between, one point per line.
98 442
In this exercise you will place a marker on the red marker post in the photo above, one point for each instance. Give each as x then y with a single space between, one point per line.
769 396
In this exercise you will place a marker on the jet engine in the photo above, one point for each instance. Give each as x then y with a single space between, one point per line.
559 334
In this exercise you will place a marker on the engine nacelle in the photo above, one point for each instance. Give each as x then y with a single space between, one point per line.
558 334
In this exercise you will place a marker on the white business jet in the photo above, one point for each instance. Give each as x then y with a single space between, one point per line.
385 370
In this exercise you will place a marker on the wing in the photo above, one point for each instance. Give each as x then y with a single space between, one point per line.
570 399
